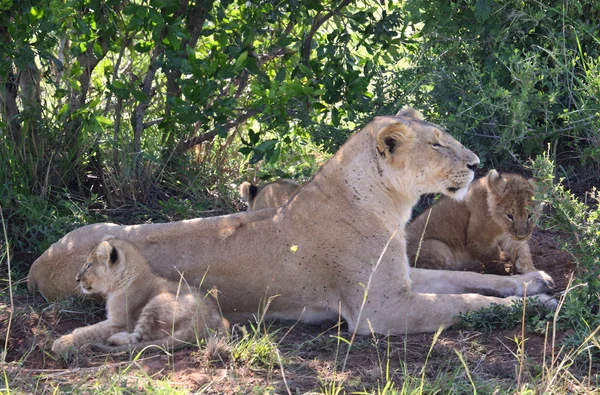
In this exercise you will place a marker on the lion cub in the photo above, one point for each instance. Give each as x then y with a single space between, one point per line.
490 226
273 194
142 308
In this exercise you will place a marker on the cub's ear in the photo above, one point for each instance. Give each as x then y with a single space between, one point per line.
410 112
394 138
496 182
107 253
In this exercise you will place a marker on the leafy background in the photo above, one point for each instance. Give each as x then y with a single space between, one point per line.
155 110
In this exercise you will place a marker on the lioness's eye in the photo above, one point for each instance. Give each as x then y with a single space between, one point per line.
529 217
436 145
510 217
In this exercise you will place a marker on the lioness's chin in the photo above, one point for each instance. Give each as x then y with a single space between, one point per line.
457 193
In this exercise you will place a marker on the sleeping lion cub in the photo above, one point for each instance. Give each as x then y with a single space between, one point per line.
143 309
491 225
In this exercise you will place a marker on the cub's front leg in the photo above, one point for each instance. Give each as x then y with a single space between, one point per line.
519 253
99 332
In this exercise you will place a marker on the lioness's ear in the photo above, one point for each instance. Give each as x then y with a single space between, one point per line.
394 138
496 182
410 112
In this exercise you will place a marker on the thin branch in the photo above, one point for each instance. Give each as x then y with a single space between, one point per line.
140 110
189 143
317 23
154 122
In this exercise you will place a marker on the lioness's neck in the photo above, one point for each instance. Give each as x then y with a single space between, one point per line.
359 178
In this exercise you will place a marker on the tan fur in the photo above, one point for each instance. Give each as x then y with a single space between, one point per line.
143 309
312 258
272 194
491 225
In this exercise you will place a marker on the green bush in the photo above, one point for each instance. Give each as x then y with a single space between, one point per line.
569 213
510 77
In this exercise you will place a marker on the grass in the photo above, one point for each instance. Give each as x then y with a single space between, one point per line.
283 357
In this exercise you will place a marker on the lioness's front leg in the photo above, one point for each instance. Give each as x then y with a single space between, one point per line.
411 312
451 282
99 332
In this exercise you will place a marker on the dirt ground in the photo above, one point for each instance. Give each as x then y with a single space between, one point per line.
310 355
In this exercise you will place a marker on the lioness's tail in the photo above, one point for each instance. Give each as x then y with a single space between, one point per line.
248 192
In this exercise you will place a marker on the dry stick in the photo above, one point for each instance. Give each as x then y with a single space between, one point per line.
521 351
10 293
362 305
283 372
422 237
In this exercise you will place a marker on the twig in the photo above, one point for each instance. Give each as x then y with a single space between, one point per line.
306 44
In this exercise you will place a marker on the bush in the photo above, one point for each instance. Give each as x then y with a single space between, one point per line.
510 77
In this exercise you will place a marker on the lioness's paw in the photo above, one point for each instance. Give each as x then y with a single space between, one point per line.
63 344
547 300
537 282
120 339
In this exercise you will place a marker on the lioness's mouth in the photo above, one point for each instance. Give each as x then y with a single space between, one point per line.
453 189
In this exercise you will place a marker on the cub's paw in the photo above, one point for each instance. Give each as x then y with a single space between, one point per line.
537 282
121 338
64 344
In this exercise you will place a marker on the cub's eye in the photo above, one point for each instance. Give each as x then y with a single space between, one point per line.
436 145
510 217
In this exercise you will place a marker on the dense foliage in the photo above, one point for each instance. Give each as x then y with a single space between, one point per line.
155 109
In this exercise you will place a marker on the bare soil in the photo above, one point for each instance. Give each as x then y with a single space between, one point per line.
311 356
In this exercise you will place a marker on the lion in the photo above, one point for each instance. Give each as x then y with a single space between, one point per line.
491 225
272 194
143 309
336 248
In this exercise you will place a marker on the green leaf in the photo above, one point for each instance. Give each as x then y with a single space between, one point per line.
104 121
266 146
241 60
280 75
144 46
483 9
245 150
139 95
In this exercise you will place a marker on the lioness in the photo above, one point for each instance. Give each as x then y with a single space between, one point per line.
340 235
272 194
492 223
143 309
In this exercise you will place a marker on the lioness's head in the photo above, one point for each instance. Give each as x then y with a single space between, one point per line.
511 204
431 158
101 270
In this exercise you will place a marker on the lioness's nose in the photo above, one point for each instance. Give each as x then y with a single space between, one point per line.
473 165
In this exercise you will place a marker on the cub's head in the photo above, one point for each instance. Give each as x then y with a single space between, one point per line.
102 269
425 154
511 204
